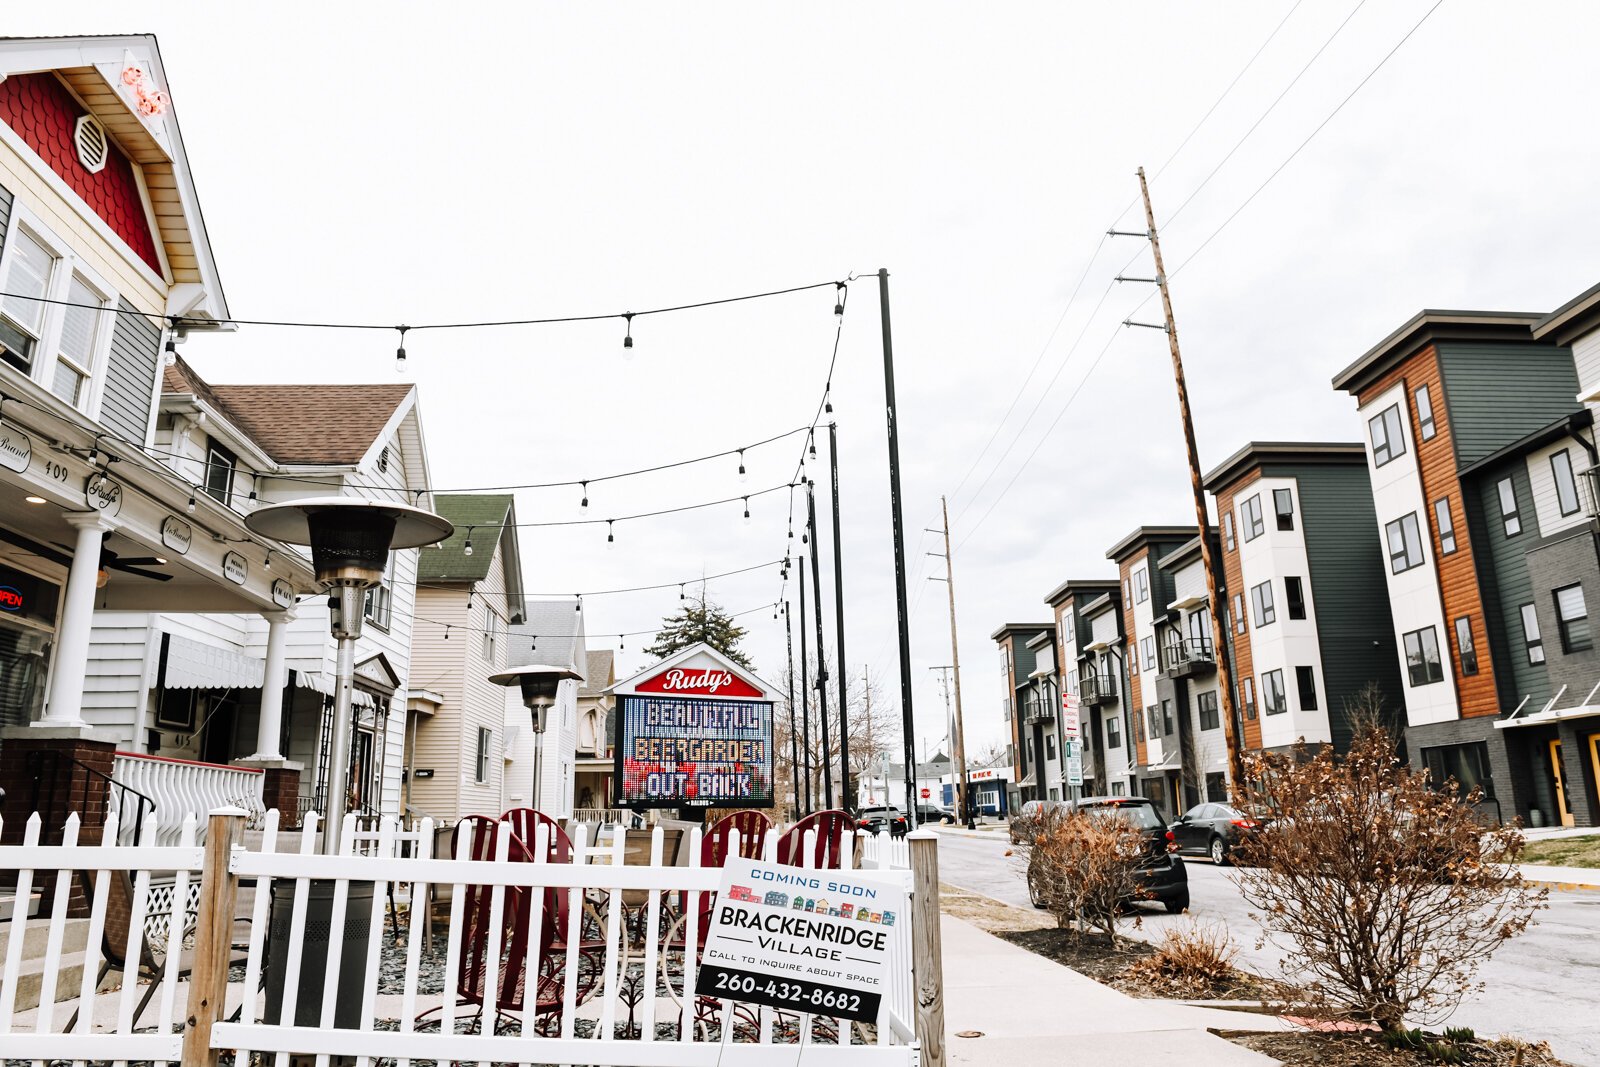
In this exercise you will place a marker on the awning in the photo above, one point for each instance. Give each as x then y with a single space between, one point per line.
192 665
1543 718
1027 782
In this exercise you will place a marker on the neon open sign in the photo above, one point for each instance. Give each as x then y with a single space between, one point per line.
11 599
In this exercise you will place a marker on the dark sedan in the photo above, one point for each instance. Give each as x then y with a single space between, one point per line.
1164 876
877 820
1213 830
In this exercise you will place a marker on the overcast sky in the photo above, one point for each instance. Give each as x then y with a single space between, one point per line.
409 163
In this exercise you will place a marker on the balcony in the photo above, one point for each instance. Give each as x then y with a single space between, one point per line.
1190 658
1035 712
1097 690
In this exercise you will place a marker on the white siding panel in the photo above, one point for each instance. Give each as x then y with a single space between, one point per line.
1541 475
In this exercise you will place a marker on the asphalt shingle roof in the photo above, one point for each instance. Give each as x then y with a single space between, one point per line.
479 515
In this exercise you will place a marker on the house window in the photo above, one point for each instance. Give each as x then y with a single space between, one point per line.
1167 725
56 344
379 604
481 763
1305 680
1113 734
22 310
491 634
1573 615
1447 526
1147 649
1227 529
80 326
1469 655
1249 688
1274 701
1295 593
1388 440
1425 413
1508 507
1261 598
1250 516
1467 764
1566 485
1206 704
1238 613
1217 787
1141 585
220 464
1423 664
1530 634
1049 746
1405 543
1283 504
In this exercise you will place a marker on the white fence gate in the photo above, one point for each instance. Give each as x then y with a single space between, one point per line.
612 984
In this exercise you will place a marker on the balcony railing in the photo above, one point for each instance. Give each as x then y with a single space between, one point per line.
1187 657
1097 689
181 788
1037 711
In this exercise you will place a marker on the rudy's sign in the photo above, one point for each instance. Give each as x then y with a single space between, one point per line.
811 941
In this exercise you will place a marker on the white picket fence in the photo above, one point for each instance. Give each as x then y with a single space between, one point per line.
627 929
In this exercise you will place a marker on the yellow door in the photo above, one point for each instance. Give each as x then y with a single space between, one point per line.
1561 783
1594 759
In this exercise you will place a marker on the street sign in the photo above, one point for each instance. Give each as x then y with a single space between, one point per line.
810 941
926 792
1072 755
1069 715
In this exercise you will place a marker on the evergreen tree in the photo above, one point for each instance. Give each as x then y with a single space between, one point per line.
700 620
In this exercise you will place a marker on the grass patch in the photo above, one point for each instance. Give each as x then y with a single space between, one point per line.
1564 851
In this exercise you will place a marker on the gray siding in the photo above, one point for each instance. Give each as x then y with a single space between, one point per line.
5 214
1505 582
131 375
1497 394
1345 552
1567 559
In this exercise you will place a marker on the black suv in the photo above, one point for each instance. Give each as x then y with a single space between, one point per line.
876 820
1165 878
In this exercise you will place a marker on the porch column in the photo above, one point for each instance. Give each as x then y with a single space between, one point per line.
64 705
269 729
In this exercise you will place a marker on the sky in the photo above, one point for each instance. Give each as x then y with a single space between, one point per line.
409 163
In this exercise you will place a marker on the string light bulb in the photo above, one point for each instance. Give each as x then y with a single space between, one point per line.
94 453
627 338
268 562
827 404
447 631
622 644
742 475
400 353
583 505
191 502
533 644
838 303
680 592
811 447
611 537
578 607
466 549
747 510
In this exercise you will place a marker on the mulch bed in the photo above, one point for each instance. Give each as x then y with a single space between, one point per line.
1303 1049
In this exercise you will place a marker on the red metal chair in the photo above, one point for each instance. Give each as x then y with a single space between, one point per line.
833 829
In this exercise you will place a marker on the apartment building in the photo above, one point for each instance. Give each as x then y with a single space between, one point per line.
1476 439
1307 606
1188 681
1027 735
1094 680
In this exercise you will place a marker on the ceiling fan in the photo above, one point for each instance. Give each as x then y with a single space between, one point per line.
109 560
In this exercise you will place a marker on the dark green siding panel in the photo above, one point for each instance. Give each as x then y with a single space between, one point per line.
1497 394
1348 589
1504 580
131 375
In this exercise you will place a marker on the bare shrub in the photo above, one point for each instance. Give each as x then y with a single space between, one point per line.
1194 960
1084 869
1390 891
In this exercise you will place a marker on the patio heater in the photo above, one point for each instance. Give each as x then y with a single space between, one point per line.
539 684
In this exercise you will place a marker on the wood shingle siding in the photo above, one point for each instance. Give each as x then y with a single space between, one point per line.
130 378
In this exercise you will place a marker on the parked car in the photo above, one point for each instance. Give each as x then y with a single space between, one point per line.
877 820
1025 823
1165 878
1214 830
934 814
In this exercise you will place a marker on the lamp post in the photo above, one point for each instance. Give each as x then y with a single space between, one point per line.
350 542
539 684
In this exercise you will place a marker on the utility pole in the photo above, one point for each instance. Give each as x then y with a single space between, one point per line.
805 699
846 800
908 726
794 741
1201 514
963 809
822 658
949 723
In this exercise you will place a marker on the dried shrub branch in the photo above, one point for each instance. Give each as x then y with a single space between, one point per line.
1085 869
1194 960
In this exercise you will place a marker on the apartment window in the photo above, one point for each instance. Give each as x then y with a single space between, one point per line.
1388 440
1200 628
1274 700
1573 616
1126 598
1248 686
1405 543
1227 529
1147 649
1467 764
1167 724
1217 787
1423 664
1118 789
1141 585
1447 526
1250 517
1425 413
1072 681
1294 591
1531 635
1238 613
1049 746
1206 704
1005 663
1566 485
1154 714
1469 655
1508 506
1113 733
1138 727
1261 599
1305 680
480 765
1283 504
220 464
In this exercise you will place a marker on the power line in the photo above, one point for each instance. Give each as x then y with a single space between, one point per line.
422 579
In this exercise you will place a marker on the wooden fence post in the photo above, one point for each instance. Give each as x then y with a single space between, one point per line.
927 955
208 983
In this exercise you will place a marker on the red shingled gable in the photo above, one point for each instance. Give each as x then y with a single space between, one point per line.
43 112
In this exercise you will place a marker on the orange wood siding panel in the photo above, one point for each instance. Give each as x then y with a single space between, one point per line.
1130 649
1233 578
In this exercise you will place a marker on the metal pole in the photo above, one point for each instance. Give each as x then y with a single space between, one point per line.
538 760
822 659
805 699
1202 516
847 800
964 810
907 716
339 747
794 740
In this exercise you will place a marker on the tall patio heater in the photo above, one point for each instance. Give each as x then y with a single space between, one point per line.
539 684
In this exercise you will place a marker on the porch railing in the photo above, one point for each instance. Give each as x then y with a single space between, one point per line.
183 788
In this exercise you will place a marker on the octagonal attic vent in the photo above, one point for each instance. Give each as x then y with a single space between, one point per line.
89 137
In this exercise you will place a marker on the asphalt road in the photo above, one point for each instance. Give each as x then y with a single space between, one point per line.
1544 985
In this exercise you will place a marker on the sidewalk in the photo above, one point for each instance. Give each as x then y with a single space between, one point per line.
989 831
1561 877
1034 1012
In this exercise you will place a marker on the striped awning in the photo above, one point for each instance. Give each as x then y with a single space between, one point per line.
193 665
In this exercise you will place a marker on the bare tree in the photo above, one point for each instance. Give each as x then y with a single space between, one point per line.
871 735
1388 887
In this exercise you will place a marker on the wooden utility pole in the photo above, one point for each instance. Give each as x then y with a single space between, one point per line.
1201 514
960 740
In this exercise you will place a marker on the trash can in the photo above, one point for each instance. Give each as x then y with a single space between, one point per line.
314 940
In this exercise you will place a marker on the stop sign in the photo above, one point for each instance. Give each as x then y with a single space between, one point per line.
926 792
